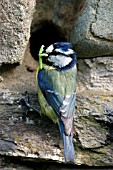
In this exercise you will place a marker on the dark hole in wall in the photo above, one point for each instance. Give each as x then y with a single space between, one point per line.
47 34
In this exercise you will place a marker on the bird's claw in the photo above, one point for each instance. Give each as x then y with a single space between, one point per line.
26 102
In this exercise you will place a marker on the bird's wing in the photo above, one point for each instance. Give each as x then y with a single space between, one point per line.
68 106
52 97
67 111
63 106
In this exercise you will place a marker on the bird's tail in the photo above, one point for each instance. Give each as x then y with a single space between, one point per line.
69 152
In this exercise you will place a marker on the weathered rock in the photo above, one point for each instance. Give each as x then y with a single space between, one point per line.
27 138
15 29
98 74
92 34
37 138
32 139
94 116
59 12
94 121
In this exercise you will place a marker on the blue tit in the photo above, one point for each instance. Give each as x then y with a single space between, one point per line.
56 80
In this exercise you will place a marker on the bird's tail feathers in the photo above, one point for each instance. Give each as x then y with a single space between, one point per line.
69 152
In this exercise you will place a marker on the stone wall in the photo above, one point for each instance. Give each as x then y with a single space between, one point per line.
88 25
92 37
16 17
93 31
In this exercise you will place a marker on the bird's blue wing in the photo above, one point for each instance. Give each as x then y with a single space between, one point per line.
52 97
68 105
65 109
63 106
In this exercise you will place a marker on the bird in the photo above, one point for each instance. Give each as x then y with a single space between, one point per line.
56 83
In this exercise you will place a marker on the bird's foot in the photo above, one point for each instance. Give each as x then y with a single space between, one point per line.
28 106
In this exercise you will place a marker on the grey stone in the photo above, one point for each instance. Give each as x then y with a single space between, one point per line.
93 119
61 13
98 74
15 29
94 129
6 146
94 114
92 34
94 109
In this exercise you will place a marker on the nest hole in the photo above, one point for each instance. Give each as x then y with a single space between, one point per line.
46 34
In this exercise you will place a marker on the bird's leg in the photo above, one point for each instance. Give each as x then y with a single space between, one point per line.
26 102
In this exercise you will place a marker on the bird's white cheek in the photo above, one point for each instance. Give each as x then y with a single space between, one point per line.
49 49
52 59
66 61
59 60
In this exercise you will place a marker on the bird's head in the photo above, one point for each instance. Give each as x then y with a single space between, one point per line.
60 55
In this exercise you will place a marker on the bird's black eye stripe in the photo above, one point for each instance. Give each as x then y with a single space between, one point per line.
45 61
58 53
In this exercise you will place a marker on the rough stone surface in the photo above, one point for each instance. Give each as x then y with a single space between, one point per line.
94 116
36 138
94 121
98 74
92 34
15 29
28 138
60 12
